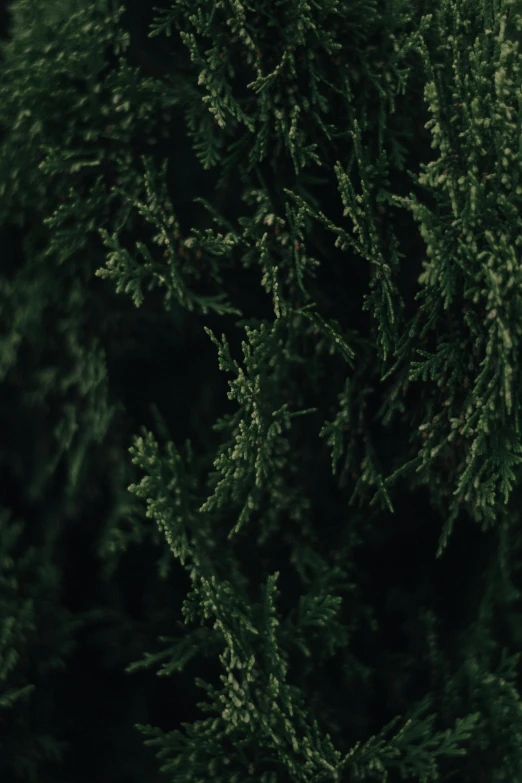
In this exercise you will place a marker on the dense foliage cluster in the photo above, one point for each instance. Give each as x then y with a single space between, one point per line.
261 308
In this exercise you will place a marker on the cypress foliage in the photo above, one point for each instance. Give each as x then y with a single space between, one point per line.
261 321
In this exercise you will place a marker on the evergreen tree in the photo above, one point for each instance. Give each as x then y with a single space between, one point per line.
261 322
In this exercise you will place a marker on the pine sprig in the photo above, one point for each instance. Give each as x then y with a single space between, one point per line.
259 448
130 275
413 750
471 280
